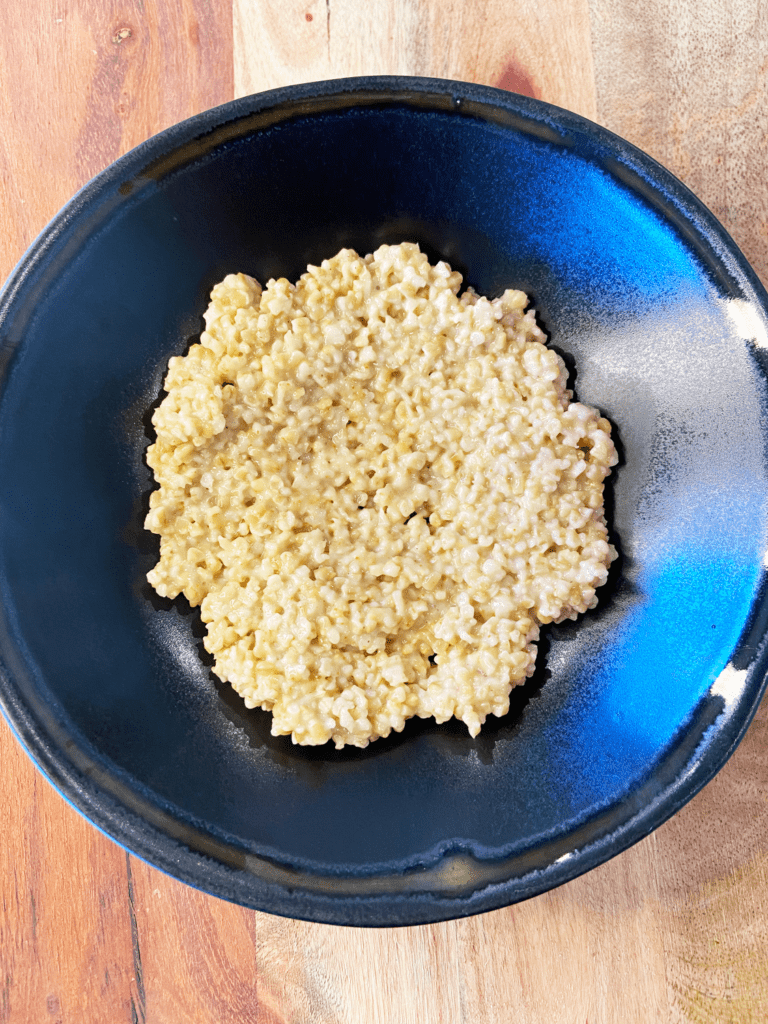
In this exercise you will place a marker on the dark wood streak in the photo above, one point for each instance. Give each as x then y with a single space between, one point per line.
139 1011
515 78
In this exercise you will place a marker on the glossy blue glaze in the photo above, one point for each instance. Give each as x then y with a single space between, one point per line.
108 685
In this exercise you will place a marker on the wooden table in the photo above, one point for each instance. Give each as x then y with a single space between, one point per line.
675 929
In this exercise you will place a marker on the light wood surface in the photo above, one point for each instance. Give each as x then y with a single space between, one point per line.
675 929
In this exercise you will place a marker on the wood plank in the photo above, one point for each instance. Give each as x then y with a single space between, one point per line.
65 933
711 868
538 49
81 81
689 85
548 960
200 955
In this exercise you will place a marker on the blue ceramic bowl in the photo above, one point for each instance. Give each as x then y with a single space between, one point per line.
632 709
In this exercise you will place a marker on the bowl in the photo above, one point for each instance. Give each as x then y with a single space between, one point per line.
632 709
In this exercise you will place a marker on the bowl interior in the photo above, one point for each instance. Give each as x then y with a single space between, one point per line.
109 686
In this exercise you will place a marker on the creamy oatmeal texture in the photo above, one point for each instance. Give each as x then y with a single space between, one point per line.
376 490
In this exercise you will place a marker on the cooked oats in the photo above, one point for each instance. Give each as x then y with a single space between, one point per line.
376 490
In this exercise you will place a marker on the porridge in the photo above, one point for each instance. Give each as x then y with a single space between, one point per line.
376 489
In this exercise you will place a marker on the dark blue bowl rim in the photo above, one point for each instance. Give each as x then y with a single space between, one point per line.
451 883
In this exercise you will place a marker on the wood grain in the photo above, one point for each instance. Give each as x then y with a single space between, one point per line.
689 85
83 81
538 49
676 928
65 937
